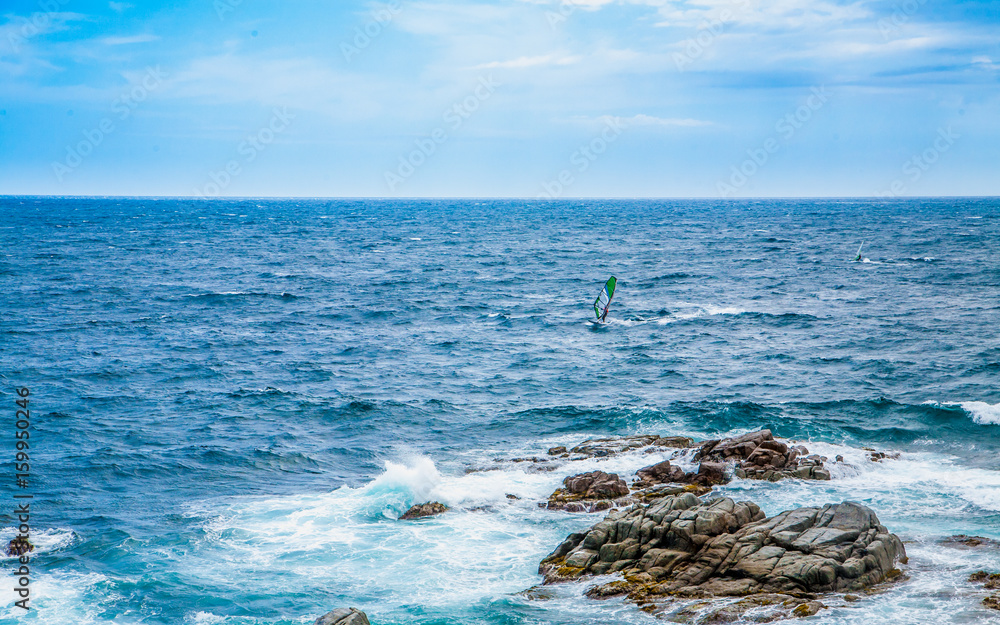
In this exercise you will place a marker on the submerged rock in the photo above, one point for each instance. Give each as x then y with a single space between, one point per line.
612 446
990 581
422 510
961 540
343 616
679 546
879 456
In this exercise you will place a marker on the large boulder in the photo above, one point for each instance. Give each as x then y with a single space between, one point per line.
659 473
589 492
681 546
343 616
596 485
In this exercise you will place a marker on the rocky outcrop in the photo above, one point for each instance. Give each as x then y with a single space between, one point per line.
758 455
961 540
19 546
589 492
660 473
879 456
681 546
422 510
343 616
612 446
708 473
990 581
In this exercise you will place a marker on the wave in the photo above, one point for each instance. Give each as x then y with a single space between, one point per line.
700 311
214 296
980 411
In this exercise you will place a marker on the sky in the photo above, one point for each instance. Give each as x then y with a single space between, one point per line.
500 98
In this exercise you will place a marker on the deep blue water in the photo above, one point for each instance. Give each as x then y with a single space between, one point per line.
232 400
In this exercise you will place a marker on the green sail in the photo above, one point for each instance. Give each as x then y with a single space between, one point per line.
603 300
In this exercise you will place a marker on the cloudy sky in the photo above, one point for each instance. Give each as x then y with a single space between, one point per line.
526 98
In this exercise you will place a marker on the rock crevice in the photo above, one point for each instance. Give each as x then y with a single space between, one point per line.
679 545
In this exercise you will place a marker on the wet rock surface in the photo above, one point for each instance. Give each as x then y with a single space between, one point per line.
343 616
758 455
589 492
423 510
613 446
682 547
19 546
990 581
961 540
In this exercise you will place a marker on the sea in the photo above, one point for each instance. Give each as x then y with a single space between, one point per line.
232 400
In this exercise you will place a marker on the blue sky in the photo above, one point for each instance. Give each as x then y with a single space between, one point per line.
526 98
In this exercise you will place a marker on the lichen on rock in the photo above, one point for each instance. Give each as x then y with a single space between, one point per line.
680 546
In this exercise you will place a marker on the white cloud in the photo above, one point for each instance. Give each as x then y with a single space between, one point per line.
531 61
642 119
121 41
298 83
985 62
120 7
649 120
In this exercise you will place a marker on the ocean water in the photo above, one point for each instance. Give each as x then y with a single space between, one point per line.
233 400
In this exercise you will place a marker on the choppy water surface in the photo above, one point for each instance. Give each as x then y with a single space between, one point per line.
233 400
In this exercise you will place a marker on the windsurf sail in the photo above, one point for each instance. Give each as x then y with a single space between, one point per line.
603 301
858 257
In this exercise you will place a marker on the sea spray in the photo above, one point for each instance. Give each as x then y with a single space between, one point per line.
402 485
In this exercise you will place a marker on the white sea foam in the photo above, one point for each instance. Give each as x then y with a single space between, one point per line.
487 547
63 599
44 540
982 413
695 311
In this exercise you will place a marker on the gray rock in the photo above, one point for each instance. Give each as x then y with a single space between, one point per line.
758 455
590 492
422 510
612 446
679 545
660 473
343 616
596 485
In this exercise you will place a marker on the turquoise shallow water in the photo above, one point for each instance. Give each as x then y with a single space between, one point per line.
233 400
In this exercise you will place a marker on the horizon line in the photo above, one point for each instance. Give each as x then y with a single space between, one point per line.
501 197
